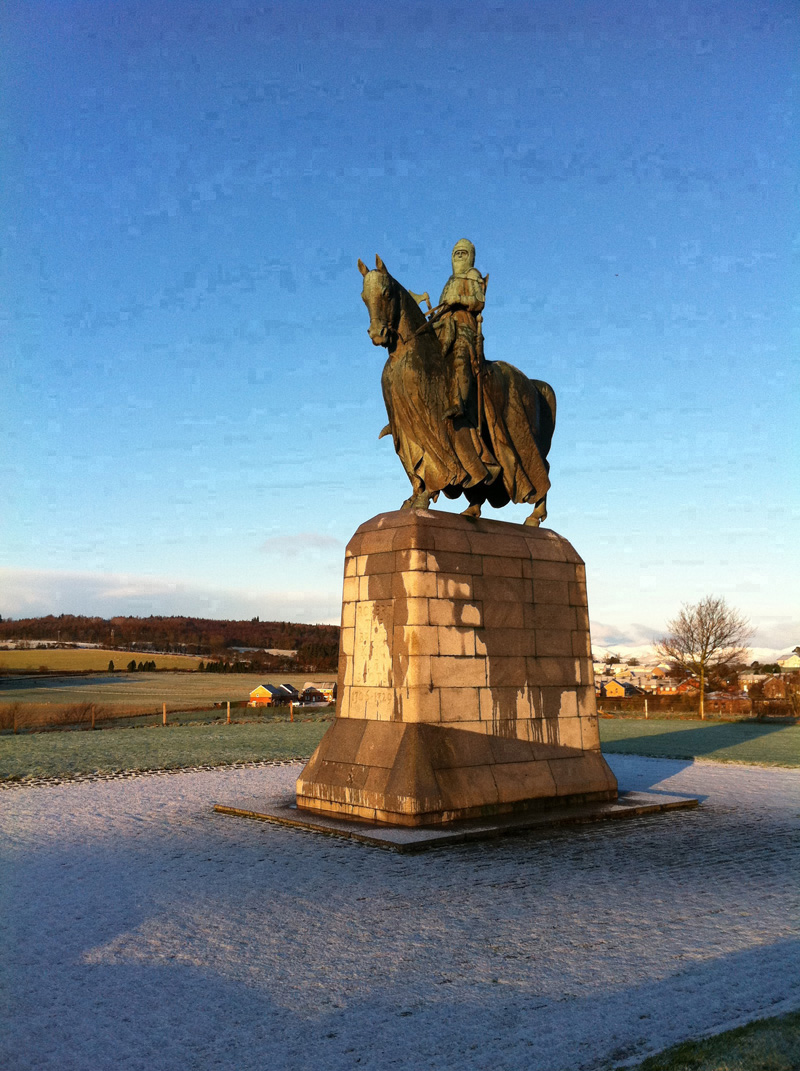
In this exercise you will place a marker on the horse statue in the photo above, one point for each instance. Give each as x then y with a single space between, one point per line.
498 458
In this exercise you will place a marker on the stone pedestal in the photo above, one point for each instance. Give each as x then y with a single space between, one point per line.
465 677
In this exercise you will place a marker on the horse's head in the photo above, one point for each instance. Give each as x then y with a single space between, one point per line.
382 297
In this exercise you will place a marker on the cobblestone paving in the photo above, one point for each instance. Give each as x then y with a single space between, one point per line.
142 931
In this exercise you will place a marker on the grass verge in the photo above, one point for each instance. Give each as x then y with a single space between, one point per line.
766 1045
758 743
168 747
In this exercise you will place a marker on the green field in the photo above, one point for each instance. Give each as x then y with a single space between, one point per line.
760 743
85 660
65 754
140 689
767 1045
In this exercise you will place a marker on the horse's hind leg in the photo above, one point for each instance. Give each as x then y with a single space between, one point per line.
539 513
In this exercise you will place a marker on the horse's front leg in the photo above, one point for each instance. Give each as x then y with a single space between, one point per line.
539 514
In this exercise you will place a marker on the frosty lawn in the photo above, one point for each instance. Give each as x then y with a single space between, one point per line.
763 743
143 931
65 754
769 1045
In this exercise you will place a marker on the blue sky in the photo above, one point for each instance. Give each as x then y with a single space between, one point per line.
191 402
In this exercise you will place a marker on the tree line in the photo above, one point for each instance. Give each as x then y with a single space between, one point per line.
316 645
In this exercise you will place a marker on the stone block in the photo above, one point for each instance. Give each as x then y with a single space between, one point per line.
542 548
508 705
545 616
416 640
557 671
554 642
378 703
459 705
507 642
581 775
503 566
409 561
376 542
414 612
452 586
548 570
569 732
414 539
577 594
378 745
507 546
377 563
375 588
418 704
451 672
587 702
455 640
504 615
581 644
451 539
462 788
414 585
551 592
449 612
590 733
348 614
502 589
350 590
461 564
523 781
413 671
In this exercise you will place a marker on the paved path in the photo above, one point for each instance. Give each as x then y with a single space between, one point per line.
147 933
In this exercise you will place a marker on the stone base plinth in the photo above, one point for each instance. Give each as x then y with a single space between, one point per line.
465 678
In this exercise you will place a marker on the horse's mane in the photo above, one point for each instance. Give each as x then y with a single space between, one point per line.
414 314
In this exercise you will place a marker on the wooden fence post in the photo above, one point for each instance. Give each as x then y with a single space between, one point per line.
291 710
229 712
163 713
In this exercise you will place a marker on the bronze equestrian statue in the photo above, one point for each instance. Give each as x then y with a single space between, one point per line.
460 424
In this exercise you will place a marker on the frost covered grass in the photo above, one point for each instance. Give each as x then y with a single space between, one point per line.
66 754
143 931
758 743
767 1045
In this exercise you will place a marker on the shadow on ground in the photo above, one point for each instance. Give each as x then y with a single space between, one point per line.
682 743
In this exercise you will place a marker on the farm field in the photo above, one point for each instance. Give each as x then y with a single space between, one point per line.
146 689
759 743
86 660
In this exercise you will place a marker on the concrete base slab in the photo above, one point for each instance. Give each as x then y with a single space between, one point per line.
416 839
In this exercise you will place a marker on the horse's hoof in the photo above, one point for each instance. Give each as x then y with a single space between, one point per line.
471 511
533 521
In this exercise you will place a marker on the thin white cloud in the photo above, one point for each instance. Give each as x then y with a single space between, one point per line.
36 593
300 544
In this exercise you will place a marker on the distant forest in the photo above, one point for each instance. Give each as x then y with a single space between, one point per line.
317 646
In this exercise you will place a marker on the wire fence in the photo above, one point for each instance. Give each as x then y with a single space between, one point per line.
17 717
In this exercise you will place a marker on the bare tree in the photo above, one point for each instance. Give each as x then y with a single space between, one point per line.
706 639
